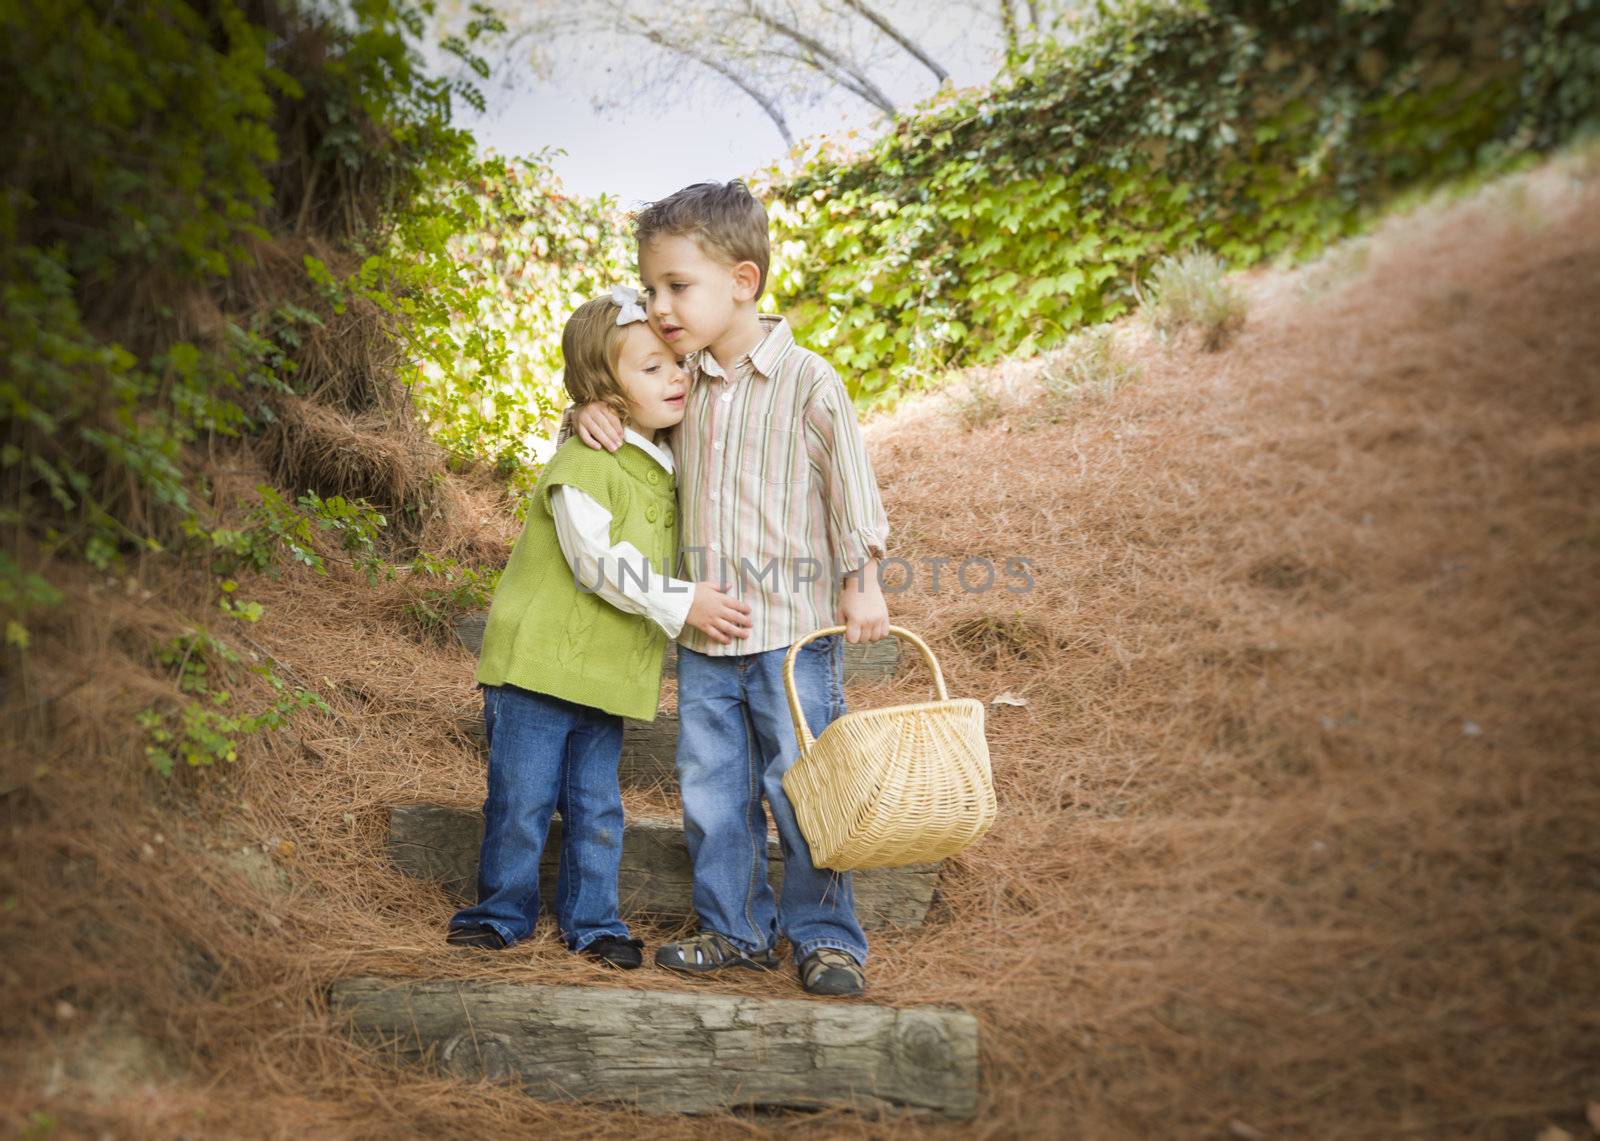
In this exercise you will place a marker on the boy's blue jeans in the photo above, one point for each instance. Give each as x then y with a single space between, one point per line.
735 742
548 755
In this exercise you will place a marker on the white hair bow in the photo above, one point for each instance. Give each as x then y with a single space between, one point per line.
626 299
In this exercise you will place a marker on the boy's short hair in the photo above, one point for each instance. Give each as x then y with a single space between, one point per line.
591 345
725 220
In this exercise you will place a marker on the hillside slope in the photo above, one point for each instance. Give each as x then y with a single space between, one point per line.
1296 823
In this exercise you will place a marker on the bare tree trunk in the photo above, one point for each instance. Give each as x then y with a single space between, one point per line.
1033 13
860 83
1008 23
879 21
762 100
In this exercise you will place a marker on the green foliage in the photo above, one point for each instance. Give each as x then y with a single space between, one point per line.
274 528
165 162
157 167
206 730
460 590
156 148
356 525
999 220
532 255
277 530
1193 289
40 1124
21 591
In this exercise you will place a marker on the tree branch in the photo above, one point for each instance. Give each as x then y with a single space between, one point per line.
762 100
864 86
822 68
881 22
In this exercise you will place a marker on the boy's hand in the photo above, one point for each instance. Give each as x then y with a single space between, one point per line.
717 614
862 610
598 426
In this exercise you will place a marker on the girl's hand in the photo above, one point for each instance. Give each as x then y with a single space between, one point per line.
718 615
598 426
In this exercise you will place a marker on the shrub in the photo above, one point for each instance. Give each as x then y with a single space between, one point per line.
976 402
1193 290
1090 365
534 253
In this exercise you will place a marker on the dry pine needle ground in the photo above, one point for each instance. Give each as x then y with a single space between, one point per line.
1297 822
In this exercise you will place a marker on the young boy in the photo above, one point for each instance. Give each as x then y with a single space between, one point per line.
778 496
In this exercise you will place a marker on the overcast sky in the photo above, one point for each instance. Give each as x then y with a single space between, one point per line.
656 146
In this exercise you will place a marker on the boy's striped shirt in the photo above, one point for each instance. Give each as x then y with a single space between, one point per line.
776 493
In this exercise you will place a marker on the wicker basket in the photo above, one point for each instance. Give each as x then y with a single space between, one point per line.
908 784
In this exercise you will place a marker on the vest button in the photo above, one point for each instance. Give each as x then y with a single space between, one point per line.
650 513
653 475
672 517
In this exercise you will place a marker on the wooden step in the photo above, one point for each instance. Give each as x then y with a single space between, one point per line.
675 1052
649 748
864 661
435 842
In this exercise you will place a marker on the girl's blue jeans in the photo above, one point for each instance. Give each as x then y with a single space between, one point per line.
547 755
735 742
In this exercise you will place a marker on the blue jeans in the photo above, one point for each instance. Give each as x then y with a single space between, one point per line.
735 742
548 755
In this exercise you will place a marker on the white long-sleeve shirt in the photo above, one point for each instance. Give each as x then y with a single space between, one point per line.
583 528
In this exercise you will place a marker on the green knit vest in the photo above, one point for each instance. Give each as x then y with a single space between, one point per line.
546 634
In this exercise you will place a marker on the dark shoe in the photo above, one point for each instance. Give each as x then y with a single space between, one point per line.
479 935
832 972
616 951
709 951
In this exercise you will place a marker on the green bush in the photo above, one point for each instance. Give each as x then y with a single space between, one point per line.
206 729
166 160
1193 290
533 255
214 208
999 220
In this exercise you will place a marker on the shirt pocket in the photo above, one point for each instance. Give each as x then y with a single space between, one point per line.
775 453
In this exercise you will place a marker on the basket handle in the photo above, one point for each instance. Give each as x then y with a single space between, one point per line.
802 731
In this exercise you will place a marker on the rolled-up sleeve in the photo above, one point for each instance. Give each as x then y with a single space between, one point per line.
858 527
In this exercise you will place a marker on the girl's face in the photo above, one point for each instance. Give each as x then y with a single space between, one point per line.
651 378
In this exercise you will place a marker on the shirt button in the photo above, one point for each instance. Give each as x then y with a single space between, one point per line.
717 445
650 513
727 396
714 495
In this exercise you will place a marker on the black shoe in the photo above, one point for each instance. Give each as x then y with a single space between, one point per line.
833 973
479 935
616 951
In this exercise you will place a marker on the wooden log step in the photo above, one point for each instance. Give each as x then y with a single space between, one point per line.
649 748
435 842
674 1052
864 661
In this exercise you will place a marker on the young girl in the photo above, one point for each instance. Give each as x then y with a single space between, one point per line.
574 643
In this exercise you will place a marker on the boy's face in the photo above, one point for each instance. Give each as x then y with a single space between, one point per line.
692 298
